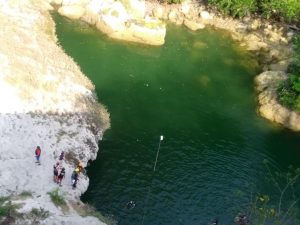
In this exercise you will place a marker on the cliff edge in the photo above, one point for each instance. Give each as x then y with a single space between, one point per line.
45 101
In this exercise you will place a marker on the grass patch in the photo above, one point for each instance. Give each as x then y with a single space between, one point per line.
8 211
40 213
26 194
57 198
288 10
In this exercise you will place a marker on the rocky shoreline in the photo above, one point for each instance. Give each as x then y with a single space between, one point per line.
47 101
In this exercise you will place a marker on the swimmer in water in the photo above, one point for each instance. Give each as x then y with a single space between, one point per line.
130 205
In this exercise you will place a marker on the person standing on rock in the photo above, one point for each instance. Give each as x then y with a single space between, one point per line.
38 152
55 172
74 178
61 176
61 156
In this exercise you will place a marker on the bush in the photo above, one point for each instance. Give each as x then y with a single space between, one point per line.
235 8
288 9
57 198
289 90
7 209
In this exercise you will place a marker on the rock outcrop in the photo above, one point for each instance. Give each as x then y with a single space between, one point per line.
123 20
47 101
267 83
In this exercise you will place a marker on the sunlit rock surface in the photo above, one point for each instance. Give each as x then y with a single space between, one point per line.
47 101
124 20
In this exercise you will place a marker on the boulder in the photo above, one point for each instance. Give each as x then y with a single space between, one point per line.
96 6
256 24
72 12
75 2
193 25
136 8
186 8
280 66
269 79
205 15
254 42
113 20
173 15
158 12
56 2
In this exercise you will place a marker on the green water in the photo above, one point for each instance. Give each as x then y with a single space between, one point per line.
197 90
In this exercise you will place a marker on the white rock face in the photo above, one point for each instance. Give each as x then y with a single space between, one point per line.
136 8
75 2
205 15
45 100
72 11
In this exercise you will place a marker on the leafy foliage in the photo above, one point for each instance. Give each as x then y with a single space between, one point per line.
287 9
8 210
289 90
57 198
236 8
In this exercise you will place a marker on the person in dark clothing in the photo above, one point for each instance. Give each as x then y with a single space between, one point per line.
38 152
62 155
74 179
61 176
55 172
130 205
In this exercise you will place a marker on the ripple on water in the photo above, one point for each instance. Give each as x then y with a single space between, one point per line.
192 91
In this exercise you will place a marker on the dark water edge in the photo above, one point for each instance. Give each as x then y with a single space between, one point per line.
197 90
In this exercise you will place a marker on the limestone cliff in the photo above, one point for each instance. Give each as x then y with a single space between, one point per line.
47 101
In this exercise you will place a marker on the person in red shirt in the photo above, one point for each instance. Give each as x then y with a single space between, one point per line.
38 154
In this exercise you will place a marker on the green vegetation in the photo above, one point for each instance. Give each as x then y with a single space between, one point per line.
281 209
26 194
236 8
57 198
288 10
8 211
289 89
37 215
278 209
174 1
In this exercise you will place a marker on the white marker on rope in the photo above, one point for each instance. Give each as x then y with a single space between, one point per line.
147 198
161 138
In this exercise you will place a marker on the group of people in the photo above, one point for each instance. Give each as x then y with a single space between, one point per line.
59 171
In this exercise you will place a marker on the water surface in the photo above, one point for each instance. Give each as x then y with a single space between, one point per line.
197 90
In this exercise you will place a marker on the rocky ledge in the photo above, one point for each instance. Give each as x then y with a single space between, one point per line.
47 101
267 83
124 20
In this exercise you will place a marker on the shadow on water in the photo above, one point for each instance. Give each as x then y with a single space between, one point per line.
197 90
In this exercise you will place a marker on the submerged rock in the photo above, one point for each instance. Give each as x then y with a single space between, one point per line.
193 25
